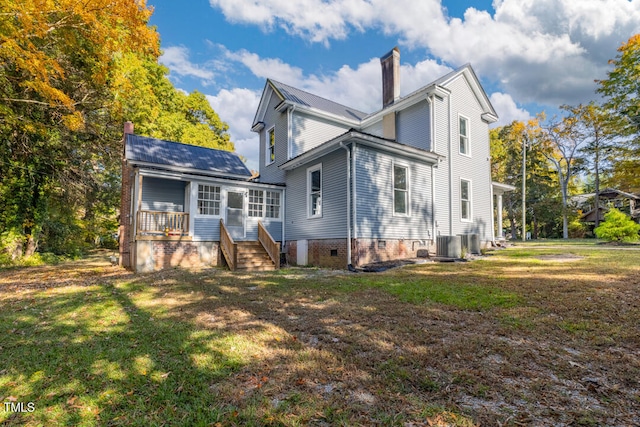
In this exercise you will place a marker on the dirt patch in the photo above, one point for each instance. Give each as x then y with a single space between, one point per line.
567 257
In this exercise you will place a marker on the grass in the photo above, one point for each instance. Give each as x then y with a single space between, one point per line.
536 334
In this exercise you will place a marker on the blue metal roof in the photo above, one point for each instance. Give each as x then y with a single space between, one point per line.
314 101
142 149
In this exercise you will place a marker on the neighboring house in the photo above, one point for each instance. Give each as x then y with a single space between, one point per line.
626 202
352 187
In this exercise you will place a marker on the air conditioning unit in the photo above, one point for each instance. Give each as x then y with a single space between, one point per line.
448 246
470 243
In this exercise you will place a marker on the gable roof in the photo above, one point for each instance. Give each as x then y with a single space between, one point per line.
153 152
315 104
300 98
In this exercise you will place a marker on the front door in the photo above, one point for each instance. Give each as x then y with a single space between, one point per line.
235 214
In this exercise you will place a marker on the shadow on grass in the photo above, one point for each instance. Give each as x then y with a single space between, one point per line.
91 355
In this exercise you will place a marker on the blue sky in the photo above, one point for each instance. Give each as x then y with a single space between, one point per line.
530 55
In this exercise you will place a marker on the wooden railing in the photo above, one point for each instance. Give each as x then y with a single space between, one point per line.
228 246
167 223
270 245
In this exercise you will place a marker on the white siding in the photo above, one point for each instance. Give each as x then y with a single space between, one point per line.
413 126
308 132
333 223
476 167
374 188
374 129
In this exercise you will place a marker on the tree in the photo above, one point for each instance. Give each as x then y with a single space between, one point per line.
563 141
618 227
542 199
144 95
594 126
622 92
55 57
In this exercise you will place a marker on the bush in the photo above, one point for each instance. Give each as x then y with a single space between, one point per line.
618 227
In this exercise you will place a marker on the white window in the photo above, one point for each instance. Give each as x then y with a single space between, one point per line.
256 200
272 204
465 200
208 200
400 190
464 135
314 191
271 146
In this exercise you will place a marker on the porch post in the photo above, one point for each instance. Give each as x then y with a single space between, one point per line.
499 195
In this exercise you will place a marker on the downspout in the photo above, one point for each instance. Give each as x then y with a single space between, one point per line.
450 171
354 191
284 219
432 107
349 263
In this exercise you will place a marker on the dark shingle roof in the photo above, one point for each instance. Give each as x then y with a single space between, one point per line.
310 100
142 149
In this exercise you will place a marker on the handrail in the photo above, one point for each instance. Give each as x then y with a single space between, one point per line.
228 246
271 246
162 222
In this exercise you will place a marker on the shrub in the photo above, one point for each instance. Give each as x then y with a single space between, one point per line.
618 227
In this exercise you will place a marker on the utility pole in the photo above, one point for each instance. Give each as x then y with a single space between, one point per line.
524 189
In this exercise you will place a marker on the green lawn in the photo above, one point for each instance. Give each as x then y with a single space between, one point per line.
542 333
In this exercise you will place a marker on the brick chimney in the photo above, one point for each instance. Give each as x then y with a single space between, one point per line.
390 77
124 231
390 90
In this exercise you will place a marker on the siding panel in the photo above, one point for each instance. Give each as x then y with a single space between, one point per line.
270 173
333 223
309 132
413 126
374 187
476 167
163 194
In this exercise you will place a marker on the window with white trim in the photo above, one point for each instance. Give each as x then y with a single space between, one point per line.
208 200
271 146
464 135
465 200
314 191
256 200
400 190
272 204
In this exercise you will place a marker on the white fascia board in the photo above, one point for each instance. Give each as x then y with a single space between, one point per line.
201 178
318 113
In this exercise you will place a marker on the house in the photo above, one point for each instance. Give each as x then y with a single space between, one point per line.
626 202
337 187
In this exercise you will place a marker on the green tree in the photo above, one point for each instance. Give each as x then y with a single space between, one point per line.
55 57
621 90
542 197
144 95
618 227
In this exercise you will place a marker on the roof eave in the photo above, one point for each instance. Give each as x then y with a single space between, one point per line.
193 171
364 139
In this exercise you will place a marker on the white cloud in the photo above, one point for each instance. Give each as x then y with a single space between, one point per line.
545 51
176 58
237 107
507 109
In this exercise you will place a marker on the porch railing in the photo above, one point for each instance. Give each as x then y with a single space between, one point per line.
159 222
270 245
228 246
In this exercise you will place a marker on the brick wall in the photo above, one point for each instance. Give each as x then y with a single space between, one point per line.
331 253
365 251
124 230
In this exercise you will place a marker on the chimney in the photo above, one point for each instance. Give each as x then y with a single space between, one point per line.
128 128
390 77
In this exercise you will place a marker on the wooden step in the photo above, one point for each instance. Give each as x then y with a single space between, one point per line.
253 257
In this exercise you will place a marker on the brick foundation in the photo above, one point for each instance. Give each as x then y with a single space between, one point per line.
153 255
366 251
330 253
